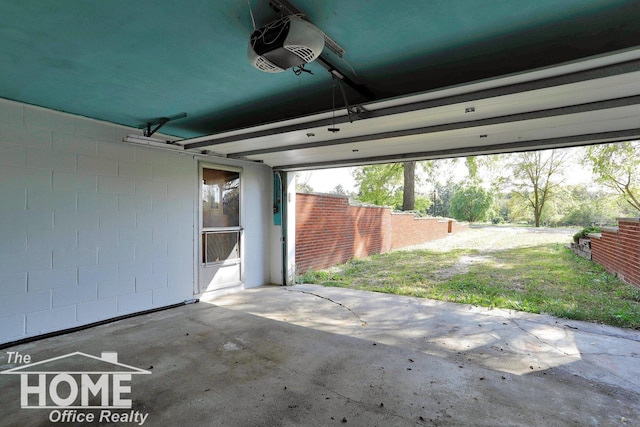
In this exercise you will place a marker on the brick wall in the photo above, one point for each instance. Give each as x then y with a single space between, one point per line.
617 249
408 230
330 231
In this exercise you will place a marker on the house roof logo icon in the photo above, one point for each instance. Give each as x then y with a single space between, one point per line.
81 363
76 380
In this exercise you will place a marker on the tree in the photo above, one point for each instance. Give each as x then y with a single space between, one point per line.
380 185
617 166
408 187
339 189
302 185
471 203
443 195
537 175
586 206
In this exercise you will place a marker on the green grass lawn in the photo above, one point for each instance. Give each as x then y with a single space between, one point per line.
542 279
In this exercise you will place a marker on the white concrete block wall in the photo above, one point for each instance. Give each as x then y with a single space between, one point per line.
93 228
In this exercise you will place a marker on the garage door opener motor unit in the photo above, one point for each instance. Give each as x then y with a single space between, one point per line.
288 42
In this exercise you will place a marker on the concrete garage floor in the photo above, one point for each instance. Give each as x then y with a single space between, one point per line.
313 356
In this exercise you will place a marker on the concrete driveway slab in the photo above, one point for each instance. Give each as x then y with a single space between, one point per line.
313 356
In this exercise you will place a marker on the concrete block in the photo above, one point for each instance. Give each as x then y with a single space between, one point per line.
152 281
160 265
117 150
182 161
163 297
116 184
95 237
180 272
13 284
51 160
75 220
180 246
53 319
89 275
134 202
60 201
13 197
157 189
65 181
75 144
144 218
11 112
25 261
144 253
158 220
28 178
98 202
94 311
130 269
116 253
141 235
41 280
18 135
12 328
151 156
158 251
95 129
36 117
15 305
129 169
117 220
175 215
59 236
14 240
169 173
12 155
90 165
74 257
110 289
27 219
73 295
131 303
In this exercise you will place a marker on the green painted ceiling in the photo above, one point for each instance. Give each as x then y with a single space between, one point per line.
128 61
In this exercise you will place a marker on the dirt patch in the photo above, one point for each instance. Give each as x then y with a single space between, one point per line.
462 266
491 239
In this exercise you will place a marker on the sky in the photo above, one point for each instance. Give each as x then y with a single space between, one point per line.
325 180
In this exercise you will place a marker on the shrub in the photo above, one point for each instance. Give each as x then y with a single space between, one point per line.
585 232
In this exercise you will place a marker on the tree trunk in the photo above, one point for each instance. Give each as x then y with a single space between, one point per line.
408 194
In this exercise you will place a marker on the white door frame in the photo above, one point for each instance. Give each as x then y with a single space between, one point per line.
210 277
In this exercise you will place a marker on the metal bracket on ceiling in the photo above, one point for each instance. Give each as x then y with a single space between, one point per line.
283 6
344 96
158 123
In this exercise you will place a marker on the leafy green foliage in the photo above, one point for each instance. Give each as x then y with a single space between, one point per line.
380 185
471 204
617 166
585 233
422 205
537 175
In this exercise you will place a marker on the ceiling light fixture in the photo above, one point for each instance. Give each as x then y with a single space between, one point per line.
152 142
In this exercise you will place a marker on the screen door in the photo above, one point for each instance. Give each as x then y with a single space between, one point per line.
220 263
